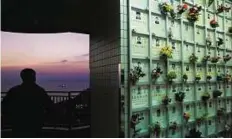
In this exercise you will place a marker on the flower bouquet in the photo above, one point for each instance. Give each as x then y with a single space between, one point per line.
222 8
186 116
185 77
166 100
226 58
193 59
205 97
197 78
208 77
220 112
135 74
194 13
156 73
156 129
165 8
205 59
214 23
216 93
215 59
180 96
166 52
182 8
193 133
171 76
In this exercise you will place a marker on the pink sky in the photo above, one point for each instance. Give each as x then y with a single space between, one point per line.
47 53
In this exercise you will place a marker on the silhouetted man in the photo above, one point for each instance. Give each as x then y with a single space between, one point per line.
25 105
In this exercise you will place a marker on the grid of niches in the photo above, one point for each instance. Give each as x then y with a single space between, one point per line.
148 32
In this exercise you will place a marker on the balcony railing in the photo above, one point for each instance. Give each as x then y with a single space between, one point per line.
57 96
80 116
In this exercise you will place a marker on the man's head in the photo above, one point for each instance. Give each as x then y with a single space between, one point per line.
28 75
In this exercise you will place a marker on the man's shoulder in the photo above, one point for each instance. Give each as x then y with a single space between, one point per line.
15 88
40 88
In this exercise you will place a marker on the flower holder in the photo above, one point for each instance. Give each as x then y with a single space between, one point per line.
219 78
227 78
214 23
197 78
185 77
226 58
156 129
166 52
135 74
166 100
173 126
221 8
194 13
193 59
230 30
180 96
220 42
182 8
165 8
216 93
208 77
186 116
171 76
206 59
220 112
205 97
156 73
215 59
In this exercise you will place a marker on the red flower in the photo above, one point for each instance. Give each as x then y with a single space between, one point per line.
185 6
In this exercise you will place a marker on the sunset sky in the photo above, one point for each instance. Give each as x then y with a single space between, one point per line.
62 56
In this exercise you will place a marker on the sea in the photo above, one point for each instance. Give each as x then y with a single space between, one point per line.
51 85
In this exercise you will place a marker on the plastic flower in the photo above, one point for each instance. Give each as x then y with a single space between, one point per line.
166 52
186 116
214 23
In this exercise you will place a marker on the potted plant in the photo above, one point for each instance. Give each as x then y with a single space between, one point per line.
220 112
182 8
205 59
226 58
156 73
135 119
166 52
171 76
214 23
198 78
215 59
186 116
180 96
205 97
173 126
220 42
185 77
156 129
208 77
193 59
194 13
166 100
217 93
135 74
165 8
219 78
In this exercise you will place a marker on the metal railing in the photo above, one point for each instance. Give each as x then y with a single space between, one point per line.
57 96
